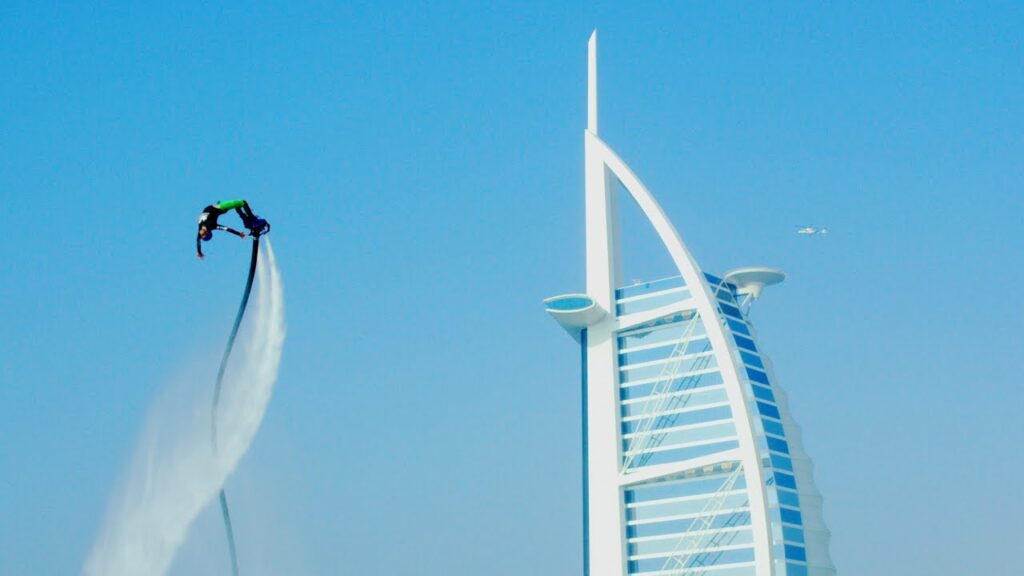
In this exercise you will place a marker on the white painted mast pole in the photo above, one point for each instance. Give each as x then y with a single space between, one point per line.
592 84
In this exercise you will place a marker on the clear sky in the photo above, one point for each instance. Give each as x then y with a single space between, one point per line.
422 166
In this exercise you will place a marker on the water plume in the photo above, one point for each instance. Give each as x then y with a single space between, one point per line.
175 471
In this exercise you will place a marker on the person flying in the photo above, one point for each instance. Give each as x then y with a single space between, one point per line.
208 221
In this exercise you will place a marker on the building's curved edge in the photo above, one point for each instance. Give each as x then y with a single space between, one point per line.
723 348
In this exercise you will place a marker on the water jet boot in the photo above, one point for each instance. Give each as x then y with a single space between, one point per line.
258 227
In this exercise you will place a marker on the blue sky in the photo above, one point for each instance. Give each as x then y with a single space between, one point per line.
422 167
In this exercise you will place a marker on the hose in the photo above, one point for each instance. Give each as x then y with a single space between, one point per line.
216 395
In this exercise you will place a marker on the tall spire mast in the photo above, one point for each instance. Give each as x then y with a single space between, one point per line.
592 84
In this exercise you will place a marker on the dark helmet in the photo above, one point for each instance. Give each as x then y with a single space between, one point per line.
207 237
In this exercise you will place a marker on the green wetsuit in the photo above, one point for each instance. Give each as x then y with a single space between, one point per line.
208 219
226 205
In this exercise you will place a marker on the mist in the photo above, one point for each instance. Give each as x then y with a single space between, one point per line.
175 472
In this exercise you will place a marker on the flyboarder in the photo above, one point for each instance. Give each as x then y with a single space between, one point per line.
208 222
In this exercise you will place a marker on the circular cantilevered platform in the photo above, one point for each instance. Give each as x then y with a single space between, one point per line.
753 280
574 311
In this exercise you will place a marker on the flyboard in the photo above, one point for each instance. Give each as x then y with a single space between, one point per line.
261 228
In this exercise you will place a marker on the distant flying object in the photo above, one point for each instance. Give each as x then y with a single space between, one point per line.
811 230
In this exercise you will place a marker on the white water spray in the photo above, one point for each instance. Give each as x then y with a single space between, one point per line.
176 472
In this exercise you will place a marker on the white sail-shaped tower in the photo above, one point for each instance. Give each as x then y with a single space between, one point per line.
692 463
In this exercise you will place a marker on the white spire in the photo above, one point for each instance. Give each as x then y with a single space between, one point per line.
592 84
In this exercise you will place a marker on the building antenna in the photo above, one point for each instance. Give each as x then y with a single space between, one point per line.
592 84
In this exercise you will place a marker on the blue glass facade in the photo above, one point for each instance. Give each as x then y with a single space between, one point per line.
699 519
645 296
674 407
784 502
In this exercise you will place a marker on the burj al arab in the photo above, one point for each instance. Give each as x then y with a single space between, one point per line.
692 463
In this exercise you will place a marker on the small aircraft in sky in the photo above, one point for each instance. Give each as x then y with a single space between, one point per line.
811 230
